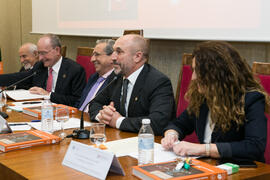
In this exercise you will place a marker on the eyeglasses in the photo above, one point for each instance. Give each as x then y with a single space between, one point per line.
43 53
98 54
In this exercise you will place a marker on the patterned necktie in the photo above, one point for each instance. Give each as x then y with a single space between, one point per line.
91 93
50 80
124 98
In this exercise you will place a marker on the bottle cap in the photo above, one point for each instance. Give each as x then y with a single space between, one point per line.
146 121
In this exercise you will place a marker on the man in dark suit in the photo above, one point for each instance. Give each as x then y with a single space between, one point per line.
104 72
28 56
140 92
60 78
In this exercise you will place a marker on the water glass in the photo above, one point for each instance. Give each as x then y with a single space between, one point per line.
97 133
62 115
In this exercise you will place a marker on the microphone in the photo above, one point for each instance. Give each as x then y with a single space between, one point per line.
3 114
83 133
17 82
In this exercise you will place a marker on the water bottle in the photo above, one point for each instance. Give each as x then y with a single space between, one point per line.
47 115
146 143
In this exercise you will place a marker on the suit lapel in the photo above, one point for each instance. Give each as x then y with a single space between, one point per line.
139 84
62 75
117 93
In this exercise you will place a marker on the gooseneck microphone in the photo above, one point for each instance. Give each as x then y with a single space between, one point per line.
3 114
83 133
17 82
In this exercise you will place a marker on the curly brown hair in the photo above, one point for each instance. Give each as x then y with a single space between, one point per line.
225 78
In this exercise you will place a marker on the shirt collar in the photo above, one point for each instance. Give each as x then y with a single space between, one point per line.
57 65
107 74
133 77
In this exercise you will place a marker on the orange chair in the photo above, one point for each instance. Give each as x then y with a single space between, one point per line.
182 86
84 59
262 71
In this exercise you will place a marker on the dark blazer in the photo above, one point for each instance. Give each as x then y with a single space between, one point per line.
152 97
69 86
248 142
91 81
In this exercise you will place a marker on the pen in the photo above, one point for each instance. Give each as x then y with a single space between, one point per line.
18 124
34 102
35 121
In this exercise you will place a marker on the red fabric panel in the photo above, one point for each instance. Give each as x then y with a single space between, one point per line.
182 103
85 62
265 82
186 77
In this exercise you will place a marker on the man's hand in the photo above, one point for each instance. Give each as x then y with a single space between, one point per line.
105 115
115 116
38 90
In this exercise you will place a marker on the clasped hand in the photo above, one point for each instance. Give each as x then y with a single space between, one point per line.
108 115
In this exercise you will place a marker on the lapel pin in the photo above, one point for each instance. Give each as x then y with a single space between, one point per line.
136 98
64 76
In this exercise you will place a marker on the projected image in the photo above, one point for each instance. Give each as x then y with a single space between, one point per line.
98 10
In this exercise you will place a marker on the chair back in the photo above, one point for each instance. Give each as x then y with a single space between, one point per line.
182 86
84 59
262 71
63 50
134 31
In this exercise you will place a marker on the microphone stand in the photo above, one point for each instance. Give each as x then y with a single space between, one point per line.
17 82
3 114
83 133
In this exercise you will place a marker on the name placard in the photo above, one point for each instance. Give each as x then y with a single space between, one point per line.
91 161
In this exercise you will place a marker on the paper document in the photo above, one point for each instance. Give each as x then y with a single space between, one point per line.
18 106
71 123
19 126
22 94
129 147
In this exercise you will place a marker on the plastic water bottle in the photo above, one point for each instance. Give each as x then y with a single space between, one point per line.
47 115
146 143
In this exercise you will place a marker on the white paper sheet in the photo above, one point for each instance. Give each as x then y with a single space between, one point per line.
18 106
129 147
19 126
22 94
71 123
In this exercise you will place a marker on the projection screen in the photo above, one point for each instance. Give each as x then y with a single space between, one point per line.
232 20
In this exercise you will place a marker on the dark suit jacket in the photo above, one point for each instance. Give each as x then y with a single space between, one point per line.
91 81
69 86
152 97
246 143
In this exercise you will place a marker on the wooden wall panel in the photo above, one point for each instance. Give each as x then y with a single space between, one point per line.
165 55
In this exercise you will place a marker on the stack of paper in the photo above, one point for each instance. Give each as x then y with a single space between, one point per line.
21 94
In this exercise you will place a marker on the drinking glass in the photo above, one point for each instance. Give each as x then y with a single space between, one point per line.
97 133
62 115
3 99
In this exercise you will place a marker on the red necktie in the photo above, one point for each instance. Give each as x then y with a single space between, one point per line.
49 81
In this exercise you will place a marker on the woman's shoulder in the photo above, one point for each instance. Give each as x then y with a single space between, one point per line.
253 96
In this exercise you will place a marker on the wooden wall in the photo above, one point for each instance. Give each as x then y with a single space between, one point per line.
165 55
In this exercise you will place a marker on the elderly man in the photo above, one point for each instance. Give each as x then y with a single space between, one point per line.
60 78
104 72
140 92
28 56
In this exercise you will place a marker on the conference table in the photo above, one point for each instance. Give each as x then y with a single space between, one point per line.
45 162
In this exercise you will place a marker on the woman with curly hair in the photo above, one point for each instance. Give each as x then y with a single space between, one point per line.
226 108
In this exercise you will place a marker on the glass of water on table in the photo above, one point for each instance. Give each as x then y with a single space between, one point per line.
62 116
97 134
